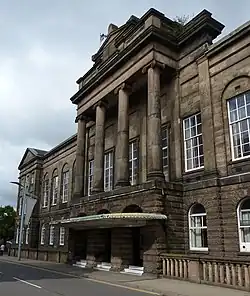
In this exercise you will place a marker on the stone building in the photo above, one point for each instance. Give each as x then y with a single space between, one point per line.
157 176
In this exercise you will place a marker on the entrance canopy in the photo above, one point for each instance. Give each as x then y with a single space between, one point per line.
111 220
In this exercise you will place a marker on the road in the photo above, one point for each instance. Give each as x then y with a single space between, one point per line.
16 279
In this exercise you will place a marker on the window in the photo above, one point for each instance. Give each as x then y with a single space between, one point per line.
27 235
165 150
73 177
133 162
54 188
198 228
61 236
32 182
239 125
243 214
193 144
45 191
42 241
17 235
51 235
108 171
20 206
27 183
65 184
91 176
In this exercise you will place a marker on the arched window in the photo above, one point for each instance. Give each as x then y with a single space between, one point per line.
54 187
65 184
42 239
27 232
198 228
243 214
45 191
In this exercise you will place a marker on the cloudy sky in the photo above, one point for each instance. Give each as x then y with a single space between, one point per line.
45 46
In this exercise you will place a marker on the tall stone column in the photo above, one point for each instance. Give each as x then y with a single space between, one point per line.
98 183
80 155
154 137
122 147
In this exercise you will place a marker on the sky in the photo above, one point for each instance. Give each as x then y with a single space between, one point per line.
45 47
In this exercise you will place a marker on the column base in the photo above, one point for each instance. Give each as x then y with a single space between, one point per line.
156 175
122 183
96 190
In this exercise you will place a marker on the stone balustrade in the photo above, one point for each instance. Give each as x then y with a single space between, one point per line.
211 271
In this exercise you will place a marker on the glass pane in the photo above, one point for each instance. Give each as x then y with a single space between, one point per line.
246 149
198 118
199 130
247 95
187 133
189 164
202 161
193 131
235 128
242 113
196 162
232 104
243 125
233 116
192 121
186 123
195 141
240 101
188 144
189 153
245 235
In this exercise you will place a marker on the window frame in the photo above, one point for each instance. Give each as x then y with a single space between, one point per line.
17 235
46 190
90 176
110 169
237 121
55 189
185 143
165 148
42 235
62 236
136 159
244 246
27 233
51 235
65 186
190 228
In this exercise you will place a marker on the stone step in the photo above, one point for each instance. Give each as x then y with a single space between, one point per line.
133 267
105 266
80 264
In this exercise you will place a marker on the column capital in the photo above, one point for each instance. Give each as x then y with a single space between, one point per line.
101 103
153 64
124 86
82 117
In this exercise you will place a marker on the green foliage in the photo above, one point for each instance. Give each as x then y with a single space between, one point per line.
7 223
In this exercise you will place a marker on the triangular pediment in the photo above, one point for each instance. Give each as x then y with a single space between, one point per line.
29 155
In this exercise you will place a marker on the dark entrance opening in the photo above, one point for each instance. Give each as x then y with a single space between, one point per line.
107 245
80 244
136 248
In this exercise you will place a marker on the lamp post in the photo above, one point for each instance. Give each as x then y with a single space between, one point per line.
22 204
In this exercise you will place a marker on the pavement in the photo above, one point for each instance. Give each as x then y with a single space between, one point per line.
27 277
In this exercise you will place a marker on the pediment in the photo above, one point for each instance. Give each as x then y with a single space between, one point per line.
27 157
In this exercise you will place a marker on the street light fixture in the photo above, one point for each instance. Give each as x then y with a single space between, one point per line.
22 204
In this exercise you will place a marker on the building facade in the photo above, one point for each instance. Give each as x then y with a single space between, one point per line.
158 174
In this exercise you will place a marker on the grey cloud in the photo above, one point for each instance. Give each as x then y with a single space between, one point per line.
45 46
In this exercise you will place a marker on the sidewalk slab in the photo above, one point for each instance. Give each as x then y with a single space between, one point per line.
163 286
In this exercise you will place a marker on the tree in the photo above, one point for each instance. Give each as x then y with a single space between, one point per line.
182 20
7 223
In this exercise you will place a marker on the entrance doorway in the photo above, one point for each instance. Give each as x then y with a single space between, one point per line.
137 247
80 244
107 245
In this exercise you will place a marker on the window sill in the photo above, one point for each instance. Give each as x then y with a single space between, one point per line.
242 253
64 202
198 251
53 205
